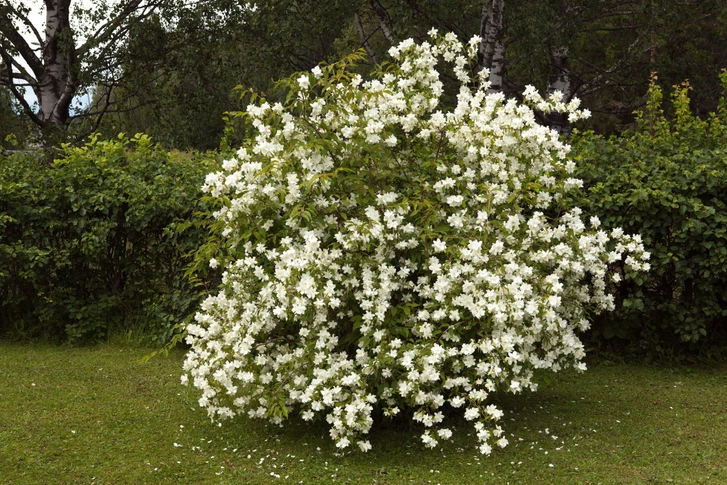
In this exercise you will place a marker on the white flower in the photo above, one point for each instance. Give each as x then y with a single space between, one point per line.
471 413
304 81
428 440
455 200
343 443
497 247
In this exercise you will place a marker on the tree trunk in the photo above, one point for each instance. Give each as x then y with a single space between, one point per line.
560 81
59 81
54 69
384 21
364 38
491 51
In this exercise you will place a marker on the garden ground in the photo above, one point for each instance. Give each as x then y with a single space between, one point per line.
98 415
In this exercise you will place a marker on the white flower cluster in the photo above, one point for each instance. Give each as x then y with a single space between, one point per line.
386 257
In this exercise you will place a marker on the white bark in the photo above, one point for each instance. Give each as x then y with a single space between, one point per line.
560 81
497 68
59 83
560 76
57 65
491 50
384 21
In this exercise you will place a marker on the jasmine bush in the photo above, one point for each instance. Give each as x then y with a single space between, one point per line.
380 255
99 238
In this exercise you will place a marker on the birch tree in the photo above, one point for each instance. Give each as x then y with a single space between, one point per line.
492 49
73 50
560 82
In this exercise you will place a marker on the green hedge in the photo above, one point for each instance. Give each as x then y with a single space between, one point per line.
668 182
99 239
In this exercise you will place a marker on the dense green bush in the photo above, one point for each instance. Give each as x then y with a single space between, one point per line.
99 238
667 181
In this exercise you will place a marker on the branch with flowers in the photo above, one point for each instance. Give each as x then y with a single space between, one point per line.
383 256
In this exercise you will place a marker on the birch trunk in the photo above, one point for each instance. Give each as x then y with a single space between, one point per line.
491 50
384 21
54 69
560 81
59 82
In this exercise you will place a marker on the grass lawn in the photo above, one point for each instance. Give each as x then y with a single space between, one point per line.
96 415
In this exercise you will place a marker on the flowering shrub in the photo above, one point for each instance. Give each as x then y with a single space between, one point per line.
385 256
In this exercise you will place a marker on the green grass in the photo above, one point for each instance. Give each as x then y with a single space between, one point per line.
96 415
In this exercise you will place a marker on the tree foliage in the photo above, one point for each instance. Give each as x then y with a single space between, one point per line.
169 68
14 129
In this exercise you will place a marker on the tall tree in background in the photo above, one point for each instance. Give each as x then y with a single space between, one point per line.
58 65
169 68
603 51
178 76
178 82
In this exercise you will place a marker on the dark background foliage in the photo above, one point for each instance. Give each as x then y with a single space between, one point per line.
99 239
666 181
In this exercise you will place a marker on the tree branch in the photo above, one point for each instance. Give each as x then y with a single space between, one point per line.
364 38
115 28
99 115
593 85
10 32
16 94
384 21
27 23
